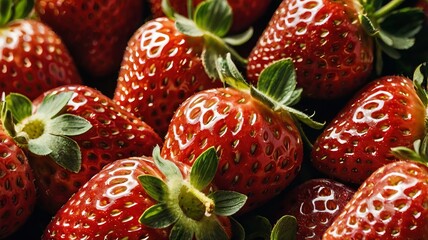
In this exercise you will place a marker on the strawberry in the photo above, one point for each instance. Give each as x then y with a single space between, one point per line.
95 32
17 190
245 12
172 201
254 131
390 204
331 42
167 61
33 58
388 112
315 204
74 131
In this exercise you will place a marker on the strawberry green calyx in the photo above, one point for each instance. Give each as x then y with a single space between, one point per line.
276 88
393 28
14 9
189 206
419 153
47 131
211 20
420 79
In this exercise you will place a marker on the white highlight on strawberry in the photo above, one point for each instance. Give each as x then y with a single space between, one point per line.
127 170
9 37
364 113
153 41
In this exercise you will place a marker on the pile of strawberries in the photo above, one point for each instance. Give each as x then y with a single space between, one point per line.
215 119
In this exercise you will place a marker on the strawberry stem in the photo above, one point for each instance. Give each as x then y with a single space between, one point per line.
190 9
387 8
188 196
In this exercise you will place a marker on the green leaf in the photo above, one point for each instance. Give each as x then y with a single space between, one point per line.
230 74
368 25
19 105
5 11
68 125
168 168
285 228
239 39
405 22
400 43
39 148
187 26
158 216
420 79
204 169
215 231
388 50
154 186
214 16
7 122
256 227
167 9
64 150
278 82
54 103
227 202
23 8
209 57
181 232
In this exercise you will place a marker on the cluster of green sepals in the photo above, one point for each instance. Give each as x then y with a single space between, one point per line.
211 20
189 205
419 152
14 9
46 131
276 87
393 28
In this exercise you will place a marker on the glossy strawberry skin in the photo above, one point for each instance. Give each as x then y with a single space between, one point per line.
386 113
315 204
33 59
390 204
96 32
245 12
109 205
332 55
161 68
115 134
260 152
17 189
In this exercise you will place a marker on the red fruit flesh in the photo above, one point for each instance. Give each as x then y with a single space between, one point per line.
391 204
115 134
96 32
17 190
161 68
315 204
332 55
260 152
33 59
386 113
108 206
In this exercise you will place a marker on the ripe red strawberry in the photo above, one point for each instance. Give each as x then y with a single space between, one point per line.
167 61
96 32
111 204
33 58
388 112
245 12
331 42
315 204
17 190
254 131
73 133
390 204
